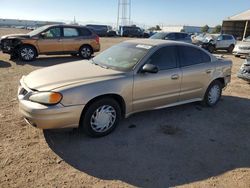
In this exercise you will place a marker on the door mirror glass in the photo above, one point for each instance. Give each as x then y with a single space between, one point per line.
149 68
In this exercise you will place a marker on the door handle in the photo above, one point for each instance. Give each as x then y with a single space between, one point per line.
208 71
175 77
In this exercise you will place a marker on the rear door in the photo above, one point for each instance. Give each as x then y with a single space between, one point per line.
160 89
50 41
197 72
75 37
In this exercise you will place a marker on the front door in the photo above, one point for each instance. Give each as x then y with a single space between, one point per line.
50 41
153 90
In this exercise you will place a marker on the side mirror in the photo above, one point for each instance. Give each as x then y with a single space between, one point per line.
149 68
43 35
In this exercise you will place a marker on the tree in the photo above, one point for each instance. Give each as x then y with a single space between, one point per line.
156 28
205 29
217 29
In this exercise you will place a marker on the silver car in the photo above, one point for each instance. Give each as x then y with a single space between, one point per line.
175 36
242 48
130 77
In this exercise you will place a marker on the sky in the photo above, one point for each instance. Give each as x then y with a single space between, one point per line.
143 12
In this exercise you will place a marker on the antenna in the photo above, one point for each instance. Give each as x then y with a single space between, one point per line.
124 13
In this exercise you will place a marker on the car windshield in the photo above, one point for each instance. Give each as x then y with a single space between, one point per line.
122 57
37 31
158 36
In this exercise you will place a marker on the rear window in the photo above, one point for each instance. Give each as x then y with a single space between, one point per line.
85 32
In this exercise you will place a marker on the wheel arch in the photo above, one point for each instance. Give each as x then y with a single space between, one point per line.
92 50
26 44
119 99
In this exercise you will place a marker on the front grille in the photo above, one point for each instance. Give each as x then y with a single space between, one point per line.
244 47
23 91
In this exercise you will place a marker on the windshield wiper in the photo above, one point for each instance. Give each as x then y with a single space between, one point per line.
103 66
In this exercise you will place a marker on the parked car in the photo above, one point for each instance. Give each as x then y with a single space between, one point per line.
176 36
244 72
130 31
218 42
242 48
130 77
102 30
51 40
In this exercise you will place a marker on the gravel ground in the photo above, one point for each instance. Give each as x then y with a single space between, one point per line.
188 145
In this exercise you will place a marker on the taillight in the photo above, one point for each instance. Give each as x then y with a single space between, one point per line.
97 39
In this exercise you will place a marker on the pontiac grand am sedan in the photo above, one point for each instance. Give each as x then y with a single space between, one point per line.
130 77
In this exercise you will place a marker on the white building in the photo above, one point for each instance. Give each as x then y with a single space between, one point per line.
24 23
183 28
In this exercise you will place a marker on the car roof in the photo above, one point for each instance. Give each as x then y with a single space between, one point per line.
67 25
156 42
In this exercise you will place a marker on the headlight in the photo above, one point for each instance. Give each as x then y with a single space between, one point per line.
48 98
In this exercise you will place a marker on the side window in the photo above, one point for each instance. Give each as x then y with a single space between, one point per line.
70 32
227 37
192 56
220 37
170 36
54 32
164 58
85 32
185 36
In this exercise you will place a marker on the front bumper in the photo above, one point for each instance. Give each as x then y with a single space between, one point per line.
50 117
47 117
241 52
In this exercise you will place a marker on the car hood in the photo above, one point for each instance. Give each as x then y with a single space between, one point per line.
79 72
12 36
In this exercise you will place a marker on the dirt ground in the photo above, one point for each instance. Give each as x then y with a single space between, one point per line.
186 146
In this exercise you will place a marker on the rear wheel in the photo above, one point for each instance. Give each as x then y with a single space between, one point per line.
27 53
213 93
211 48
85 52
230 48
101 117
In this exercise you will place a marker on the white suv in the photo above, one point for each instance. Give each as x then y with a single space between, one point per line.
220 42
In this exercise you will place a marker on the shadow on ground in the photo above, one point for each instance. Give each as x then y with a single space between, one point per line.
4 64
49 61
164 148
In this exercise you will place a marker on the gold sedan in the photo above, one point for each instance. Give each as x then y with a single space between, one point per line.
130 77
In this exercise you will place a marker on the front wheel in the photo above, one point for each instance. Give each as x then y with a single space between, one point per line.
230 48
101 117
213 93
85 52
211 48
27 53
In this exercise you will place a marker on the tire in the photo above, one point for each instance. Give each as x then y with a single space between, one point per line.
230 48
211 48
213 94
109 111
27 53
86 52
